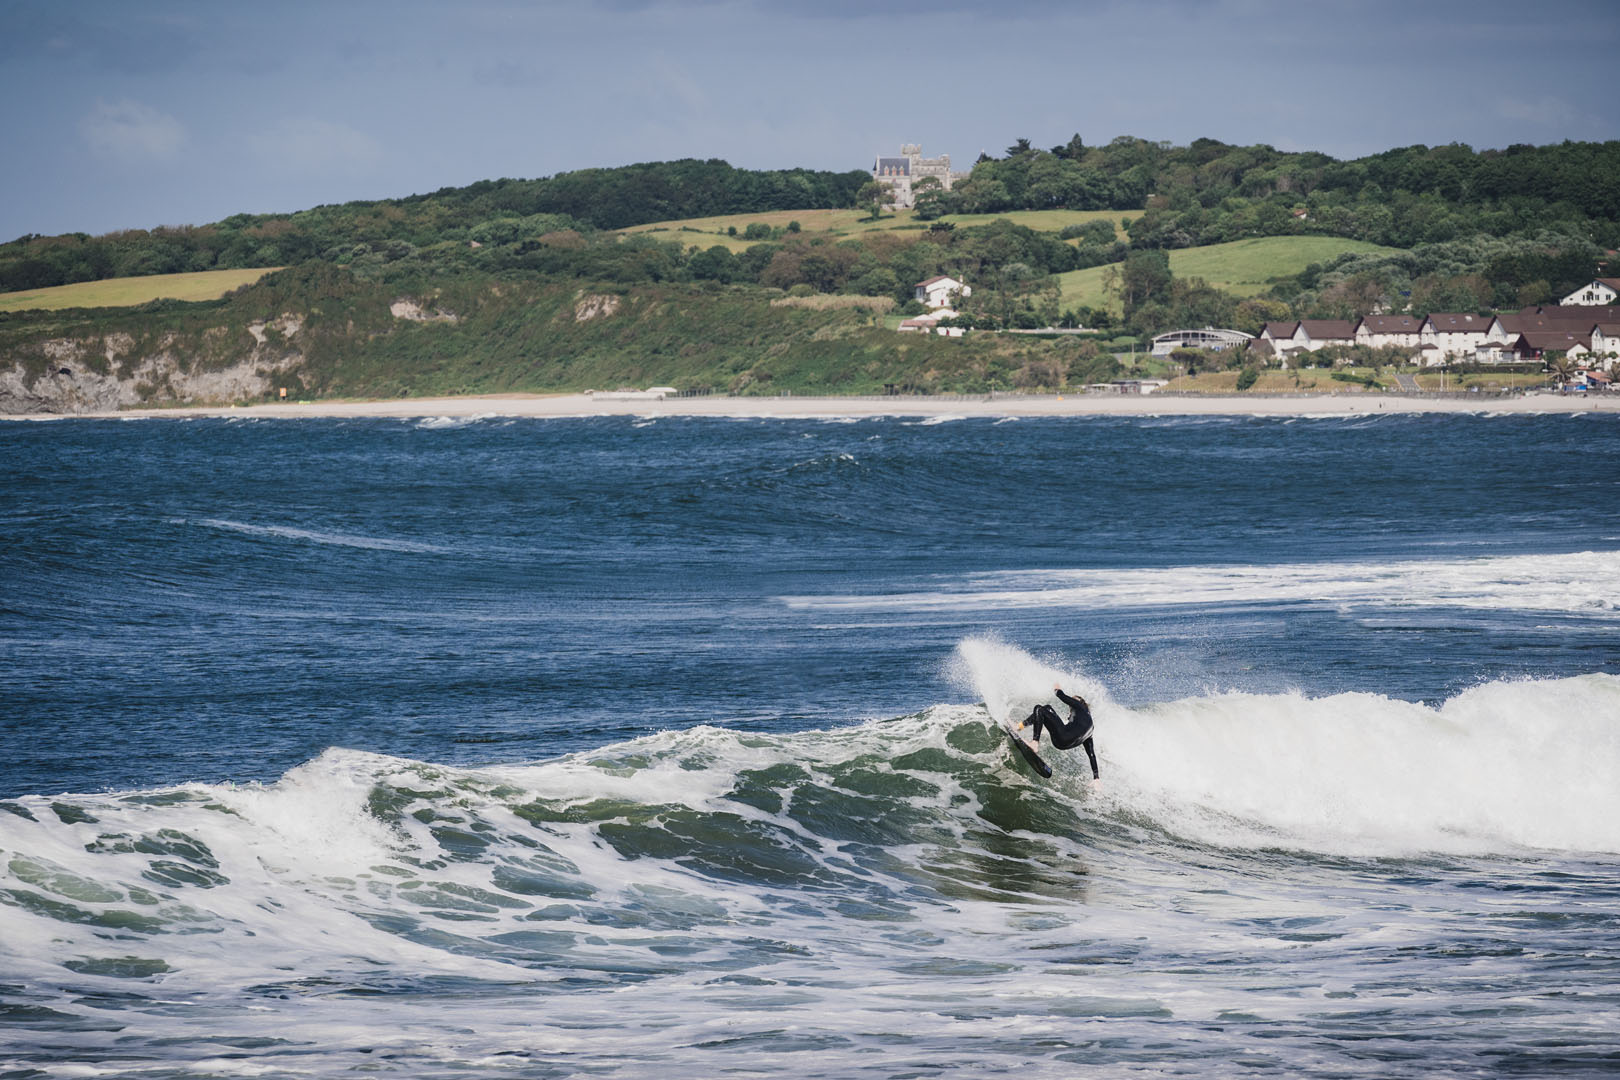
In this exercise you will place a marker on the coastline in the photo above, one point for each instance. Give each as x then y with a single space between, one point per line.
578 405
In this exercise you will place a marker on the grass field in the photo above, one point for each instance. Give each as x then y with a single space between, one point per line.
1242 267
127 292
706 232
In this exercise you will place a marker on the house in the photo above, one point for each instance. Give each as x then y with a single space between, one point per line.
1383 331
1446 336
929 324
940 292
1535 344
1606 345
1307 335
1598 291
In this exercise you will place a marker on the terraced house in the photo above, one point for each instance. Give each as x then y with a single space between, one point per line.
1284 339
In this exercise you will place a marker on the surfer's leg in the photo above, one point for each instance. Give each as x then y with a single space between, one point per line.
1032 720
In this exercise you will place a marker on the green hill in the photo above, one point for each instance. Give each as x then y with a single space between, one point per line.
130 291
1242 267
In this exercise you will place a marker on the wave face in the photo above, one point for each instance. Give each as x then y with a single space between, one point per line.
712 897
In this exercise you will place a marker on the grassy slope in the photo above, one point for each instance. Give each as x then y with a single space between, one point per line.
706 232
1242 267
127 292
527 335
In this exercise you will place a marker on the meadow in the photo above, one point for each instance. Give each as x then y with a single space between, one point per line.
132 291
708 231
1241 267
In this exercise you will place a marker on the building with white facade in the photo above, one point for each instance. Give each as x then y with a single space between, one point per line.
941 292
902 173
1307 335
1599 291
1445 336
1207 338
1384 331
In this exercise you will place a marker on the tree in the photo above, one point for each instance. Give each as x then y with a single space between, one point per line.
1559 366
928 198
1253 314
715 264
1020 147
873 196
1143 277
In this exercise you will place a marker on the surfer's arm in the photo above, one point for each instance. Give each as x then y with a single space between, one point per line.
1092 754
1073 703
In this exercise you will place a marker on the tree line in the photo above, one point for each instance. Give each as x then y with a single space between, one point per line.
1210 192
1203 193
590 198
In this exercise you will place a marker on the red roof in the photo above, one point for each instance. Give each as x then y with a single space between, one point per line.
1391 324
1449 323
1567 313
1555 339
1327 329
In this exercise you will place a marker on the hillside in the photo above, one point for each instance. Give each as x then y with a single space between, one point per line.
1241 267
323 332
729 229
700 275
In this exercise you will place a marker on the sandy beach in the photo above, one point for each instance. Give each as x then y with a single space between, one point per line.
999 405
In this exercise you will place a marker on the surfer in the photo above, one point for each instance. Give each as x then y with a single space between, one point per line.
1065 736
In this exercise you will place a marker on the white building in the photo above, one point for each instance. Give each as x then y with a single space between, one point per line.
940 292
902 174
1599 291
1306 335
1606 346
1207 338
1383 331
1446 336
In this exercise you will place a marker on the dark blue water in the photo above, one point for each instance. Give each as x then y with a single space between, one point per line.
550 747
207 600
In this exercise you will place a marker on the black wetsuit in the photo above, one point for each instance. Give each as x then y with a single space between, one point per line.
1066 736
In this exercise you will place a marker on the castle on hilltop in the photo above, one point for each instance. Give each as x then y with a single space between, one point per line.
902 172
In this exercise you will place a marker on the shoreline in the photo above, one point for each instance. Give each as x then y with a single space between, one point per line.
582 405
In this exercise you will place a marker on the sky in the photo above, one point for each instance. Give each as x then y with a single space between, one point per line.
138 113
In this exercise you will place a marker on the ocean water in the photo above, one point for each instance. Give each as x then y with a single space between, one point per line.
623 747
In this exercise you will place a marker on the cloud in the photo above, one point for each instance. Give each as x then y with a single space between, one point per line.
131 132
310 145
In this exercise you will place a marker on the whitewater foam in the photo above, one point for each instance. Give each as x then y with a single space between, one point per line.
1504 767
1575 583
316 536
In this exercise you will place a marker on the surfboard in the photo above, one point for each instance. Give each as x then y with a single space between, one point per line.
1028 752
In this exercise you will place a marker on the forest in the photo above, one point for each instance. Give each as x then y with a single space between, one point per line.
1465 231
